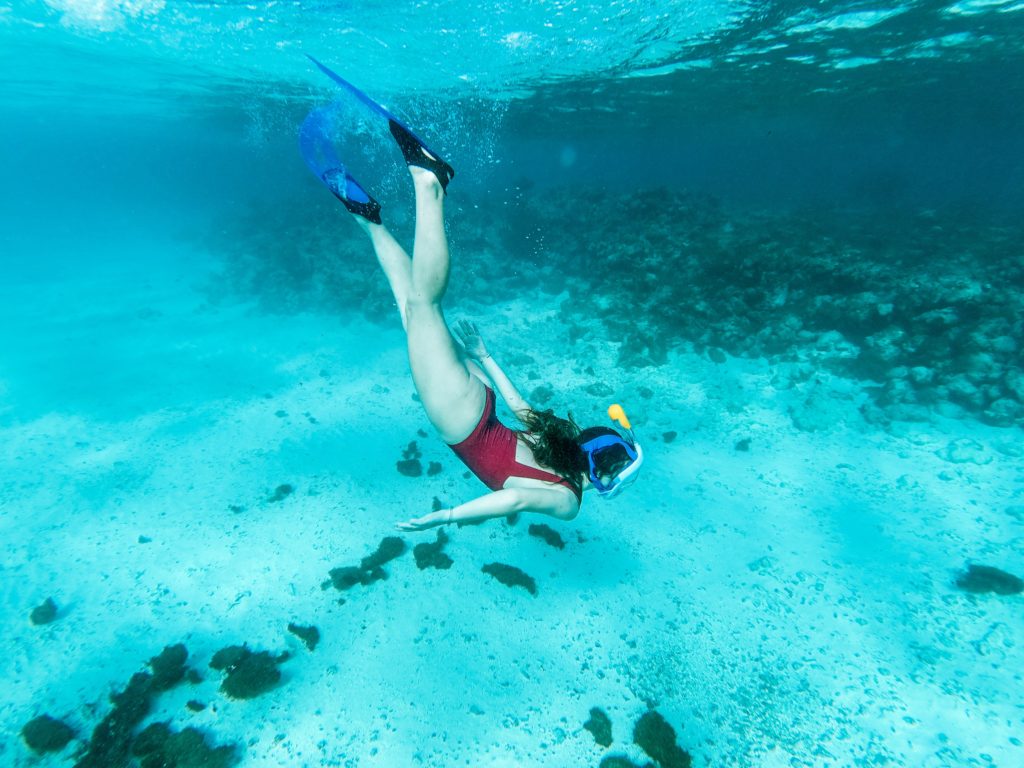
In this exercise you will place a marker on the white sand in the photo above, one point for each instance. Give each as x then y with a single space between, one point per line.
790 606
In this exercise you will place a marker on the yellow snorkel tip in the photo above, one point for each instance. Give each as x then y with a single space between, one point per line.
615 413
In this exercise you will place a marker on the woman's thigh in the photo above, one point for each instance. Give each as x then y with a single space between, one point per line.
452 397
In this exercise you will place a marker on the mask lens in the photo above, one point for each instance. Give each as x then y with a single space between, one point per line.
608 456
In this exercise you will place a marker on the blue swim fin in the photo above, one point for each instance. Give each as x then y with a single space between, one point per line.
318 152
414 149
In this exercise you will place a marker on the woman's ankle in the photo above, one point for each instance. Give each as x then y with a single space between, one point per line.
425 181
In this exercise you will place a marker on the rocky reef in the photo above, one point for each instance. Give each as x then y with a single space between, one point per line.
923 306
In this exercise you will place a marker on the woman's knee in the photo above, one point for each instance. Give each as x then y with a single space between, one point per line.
418 305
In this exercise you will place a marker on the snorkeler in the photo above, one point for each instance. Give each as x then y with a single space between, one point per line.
544 468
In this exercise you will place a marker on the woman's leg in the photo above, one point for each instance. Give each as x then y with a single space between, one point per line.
393 260
452 397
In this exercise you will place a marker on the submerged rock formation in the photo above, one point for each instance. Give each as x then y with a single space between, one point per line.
281 493
309 635
169 667
369 569
430 555
410 464
247 674
511 576
658 739
600 725
114 743
111 740
980 579
548 534
44 613
47 734
158 746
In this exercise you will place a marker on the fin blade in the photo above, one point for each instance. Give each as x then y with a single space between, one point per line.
353 90
380 110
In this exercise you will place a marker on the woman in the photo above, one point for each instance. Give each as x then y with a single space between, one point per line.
544 469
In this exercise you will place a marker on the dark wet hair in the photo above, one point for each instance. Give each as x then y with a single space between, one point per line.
555 444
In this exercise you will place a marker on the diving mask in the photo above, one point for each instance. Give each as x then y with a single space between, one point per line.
611 446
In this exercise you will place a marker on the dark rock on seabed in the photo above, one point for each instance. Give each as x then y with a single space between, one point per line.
658 739
158 746
347 577
111 739
113 742
47 734
369 569
228 657
600 725
548 534
410 465
984 578
429 554
511 576
389 548
169 667
151 738
45 613
619 761
248 674
309 635
281 493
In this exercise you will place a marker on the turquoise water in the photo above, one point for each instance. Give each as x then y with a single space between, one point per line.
787 238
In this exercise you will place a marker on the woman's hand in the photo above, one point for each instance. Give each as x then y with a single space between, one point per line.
470 338
434 519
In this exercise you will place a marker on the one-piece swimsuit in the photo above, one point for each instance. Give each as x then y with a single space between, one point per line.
490 453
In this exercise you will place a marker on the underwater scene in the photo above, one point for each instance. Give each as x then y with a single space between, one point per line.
768 256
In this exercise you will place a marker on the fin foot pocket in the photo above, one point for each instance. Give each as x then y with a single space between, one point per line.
416 154
352 196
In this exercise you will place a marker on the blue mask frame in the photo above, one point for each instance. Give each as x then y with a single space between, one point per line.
595 446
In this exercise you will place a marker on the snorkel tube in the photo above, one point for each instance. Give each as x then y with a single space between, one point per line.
615 413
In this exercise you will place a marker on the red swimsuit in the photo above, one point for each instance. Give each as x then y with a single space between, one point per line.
490 453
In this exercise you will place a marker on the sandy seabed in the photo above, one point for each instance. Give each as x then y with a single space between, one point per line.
783 596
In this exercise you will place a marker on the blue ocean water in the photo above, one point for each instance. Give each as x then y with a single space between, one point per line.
786 237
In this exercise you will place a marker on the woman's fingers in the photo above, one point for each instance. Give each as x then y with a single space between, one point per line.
416 524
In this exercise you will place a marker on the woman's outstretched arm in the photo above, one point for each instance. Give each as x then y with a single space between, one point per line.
500 503
475 348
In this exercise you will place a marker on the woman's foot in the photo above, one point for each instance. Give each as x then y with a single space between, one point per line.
352 195
418 156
